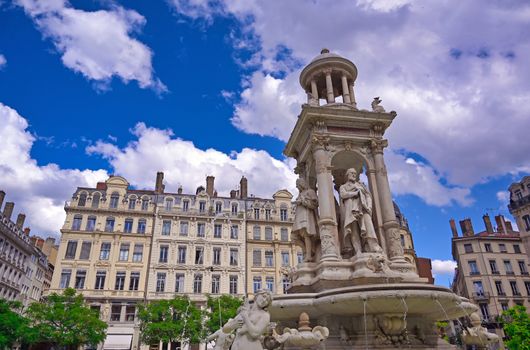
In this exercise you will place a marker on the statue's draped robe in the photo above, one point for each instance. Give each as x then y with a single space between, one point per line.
356 212
305 221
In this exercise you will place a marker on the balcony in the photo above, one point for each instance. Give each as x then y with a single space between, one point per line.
474 273
481 296
518 203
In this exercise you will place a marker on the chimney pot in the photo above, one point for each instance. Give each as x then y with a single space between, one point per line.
501 226
509 227
243 187
159 185
233 194
27 230
453 227
20 220
467 227
210 185
8 209
2 196
179 190
487 223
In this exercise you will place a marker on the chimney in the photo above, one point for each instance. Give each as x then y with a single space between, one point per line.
8 209
27 230
243 187
509 227
233 194
453 228
501 226
467 227
102 186
159 185
179 190
20 220
487 223
2 196
209 185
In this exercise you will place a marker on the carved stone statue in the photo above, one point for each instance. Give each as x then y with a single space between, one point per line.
478 335
222 340
356 214
251 322
376 107
305 221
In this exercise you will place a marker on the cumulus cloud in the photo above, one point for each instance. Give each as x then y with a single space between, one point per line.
185 164
3 61
443 267
37 190
97 44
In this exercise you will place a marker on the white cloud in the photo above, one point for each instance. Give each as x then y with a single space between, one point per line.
38 191
443 267
97 44
3 61
503 197
186 165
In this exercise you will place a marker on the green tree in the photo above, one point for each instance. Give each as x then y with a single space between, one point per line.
14 327
517 328
175 320
65 320
221 309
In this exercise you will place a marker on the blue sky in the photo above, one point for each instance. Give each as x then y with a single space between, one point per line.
91 88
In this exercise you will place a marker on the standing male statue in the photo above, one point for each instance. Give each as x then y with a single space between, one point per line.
305 220
356 214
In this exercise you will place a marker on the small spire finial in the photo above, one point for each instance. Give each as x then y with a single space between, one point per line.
324 50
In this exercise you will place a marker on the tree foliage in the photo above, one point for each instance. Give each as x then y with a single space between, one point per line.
517 328
221 309
175 320
65 320
14 327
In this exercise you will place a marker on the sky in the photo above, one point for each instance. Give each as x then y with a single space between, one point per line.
210 87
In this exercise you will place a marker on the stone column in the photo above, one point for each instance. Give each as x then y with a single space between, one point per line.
345 90
327 222
352 96
329 86
376 210
314 92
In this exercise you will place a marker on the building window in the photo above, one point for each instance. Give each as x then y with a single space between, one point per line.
516 249
179 283
478 288
256 283
145 204
218 207
286 283
283 214
166 227
91 223
493 267
182 254
256 232
197 283
234 232
526 220
502 248
217 230
285 259
268 233
513 286
500 289
234 209
284 234
104 253
65 278
233 284
234 257
300 257
162 257
134 281
508 267
199 255
76 224
169 204
183 228
216 256
132 203
402 239
138 253
269 256
468 248
504 306
71 249
202 206
141 225
268 214
100 280
109 224
82 200
201 228
85 250
487 247
522 267
215 284
130 311
80 277
114 201
256 213
160 281
473 268
95 200
484 311
269 283
124 252
185 205
115 312
527 287
256 257
518 194
120 280
128 225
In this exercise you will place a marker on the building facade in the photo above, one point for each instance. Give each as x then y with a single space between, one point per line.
520 208
492 268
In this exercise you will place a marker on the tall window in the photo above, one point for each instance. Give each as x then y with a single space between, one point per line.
508 267
145 204
201 228
166 227
218 207
216 279
527 287
300 257
468 248
283 214
91 223
115 312
100 280
217 230
104 253
516 249
284 234
256 213
473 269
95 200
216 256
526 220
234 231
202 206
114 201
479 289
182 254
234 257
513 286
141 225
162 257
138 253
197 283
285 258
234 209
179 283
256 232
185 205
256 257
502 248
169 204
82 200
199 255
233 284
160 282
183 228
484 311
76 223
522 267
256 283
130 312
85 250
127 227
500 289
269 283
134 281
71 249
120 280
286 283
132 203
109 224
268 233
402 239
487 247
493 267
124 252
80 277
267 214
269 256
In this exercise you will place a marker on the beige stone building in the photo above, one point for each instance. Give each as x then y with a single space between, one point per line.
492 268
520 208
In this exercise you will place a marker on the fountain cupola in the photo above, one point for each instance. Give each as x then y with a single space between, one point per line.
328 77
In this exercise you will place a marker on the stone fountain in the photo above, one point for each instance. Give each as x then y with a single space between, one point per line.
355 281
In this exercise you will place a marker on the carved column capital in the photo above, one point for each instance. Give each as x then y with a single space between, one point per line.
319 141
327 70
378 145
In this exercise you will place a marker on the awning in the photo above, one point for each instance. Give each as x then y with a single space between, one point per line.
118 342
